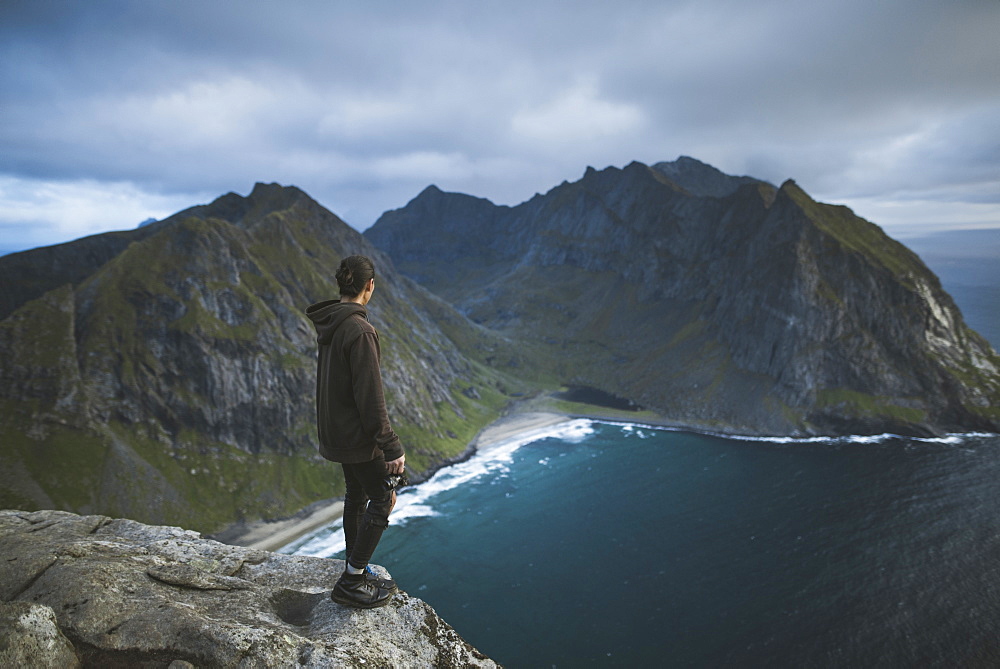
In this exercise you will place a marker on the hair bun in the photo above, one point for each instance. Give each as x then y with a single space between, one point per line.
353 274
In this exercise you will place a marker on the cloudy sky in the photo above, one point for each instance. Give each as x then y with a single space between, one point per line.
112 112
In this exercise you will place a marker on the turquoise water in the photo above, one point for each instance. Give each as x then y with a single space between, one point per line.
622 545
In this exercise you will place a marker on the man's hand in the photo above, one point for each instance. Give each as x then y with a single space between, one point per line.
397 466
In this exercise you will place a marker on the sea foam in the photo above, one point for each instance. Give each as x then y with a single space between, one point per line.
954 438
415 501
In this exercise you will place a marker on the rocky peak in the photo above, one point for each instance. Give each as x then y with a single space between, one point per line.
432 191
264 199
30 274
701 179
457 217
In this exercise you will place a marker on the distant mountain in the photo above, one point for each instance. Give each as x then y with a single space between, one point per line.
721 302
703 180
167 374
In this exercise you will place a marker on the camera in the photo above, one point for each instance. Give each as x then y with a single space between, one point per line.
394 481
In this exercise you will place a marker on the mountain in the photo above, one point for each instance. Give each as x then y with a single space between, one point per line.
703 180
167 373
720 302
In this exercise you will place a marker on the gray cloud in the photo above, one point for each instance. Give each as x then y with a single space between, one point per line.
883 106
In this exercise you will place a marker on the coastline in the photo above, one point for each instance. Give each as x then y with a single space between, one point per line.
520 419
272 535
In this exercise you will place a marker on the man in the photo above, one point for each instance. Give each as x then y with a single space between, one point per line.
354 428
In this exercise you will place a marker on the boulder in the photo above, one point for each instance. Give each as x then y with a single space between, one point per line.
30 637
115 592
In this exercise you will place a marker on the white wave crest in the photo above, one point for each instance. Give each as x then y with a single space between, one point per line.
948 439
414 501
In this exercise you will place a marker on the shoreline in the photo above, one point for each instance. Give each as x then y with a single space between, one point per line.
521 418
273 535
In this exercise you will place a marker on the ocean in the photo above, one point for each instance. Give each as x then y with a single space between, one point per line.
601 544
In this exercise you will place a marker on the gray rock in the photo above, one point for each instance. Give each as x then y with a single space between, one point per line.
30 637
127 593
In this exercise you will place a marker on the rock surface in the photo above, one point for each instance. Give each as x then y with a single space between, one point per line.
30 637
113 592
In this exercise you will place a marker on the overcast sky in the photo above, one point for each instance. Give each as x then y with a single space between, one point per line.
114 112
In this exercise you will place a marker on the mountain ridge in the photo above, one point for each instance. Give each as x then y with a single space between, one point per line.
701 179
170 377
757 306
167 373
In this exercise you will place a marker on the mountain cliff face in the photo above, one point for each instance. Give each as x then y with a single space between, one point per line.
721 302
167 374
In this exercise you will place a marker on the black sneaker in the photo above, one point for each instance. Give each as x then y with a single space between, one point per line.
380 581
355 590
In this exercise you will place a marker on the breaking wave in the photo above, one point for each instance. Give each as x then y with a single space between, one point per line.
414 501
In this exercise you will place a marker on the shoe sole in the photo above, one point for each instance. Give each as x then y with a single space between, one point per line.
354 604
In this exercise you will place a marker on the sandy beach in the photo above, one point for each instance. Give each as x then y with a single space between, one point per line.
516 424
270 536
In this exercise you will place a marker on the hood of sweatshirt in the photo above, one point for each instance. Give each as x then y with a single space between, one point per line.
329 315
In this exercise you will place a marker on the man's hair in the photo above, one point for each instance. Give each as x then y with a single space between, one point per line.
354 274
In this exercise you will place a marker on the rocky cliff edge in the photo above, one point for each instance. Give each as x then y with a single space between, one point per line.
96 591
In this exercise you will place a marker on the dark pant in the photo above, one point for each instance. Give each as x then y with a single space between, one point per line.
367 504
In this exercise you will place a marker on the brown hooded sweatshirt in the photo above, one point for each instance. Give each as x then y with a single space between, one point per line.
350 406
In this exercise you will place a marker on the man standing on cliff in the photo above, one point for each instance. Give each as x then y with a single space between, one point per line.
354 428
